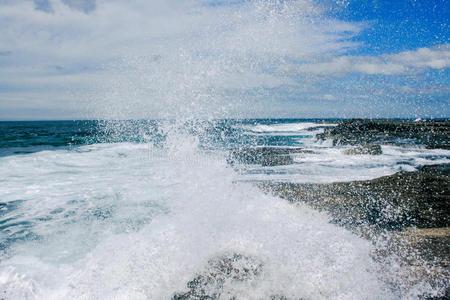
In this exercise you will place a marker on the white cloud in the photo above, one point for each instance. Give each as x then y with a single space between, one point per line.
423 58
155 55
153 58
403 63
329 97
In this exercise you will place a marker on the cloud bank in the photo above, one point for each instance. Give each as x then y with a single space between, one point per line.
165 58
403 63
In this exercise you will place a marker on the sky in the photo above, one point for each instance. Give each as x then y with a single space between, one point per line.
111 59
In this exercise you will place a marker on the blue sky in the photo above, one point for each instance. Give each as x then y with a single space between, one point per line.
70 59
399 25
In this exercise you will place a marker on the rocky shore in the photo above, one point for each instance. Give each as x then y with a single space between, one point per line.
433 134
405 199
221 272
405 215
264 156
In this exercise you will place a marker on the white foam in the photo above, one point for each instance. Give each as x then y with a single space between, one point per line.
284 128
114 224
329 164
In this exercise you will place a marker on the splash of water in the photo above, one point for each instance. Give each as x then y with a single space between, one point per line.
105 221
220 59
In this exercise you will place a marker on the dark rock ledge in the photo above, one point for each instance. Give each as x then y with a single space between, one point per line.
218 277
372 149
220 271
433 134
392 202
405 215
265 156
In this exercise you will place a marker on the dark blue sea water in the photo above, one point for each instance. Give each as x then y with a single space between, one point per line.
29 136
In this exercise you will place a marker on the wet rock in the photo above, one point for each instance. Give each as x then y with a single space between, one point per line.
317 127
265 156
372 149
405 215
221 272
422 254
420 198
431 133
430 242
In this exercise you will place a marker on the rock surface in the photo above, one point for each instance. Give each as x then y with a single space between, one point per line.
405 215
372 149
431 133
420 199
221 271
265 156
422 255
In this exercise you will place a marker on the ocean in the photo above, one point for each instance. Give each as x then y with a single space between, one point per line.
153 209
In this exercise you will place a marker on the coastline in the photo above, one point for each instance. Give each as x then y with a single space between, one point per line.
404 215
